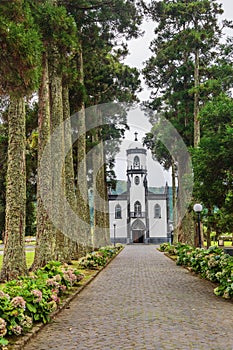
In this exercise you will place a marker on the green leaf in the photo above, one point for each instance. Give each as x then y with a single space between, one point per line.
31 308
3 341
37 317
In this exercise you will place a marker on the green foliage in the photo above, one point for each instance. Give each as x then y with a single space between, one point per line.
184 31
32 299
182 28
3 341
116 17
212 163
159 151
164 246
94 260
98 259
58 28
168 248
211 264
21 49
68 276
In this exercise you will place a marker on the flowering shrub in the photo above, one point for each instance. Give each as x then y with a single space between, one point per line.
96 260
3 331
211 264
63 275
93 260
34 298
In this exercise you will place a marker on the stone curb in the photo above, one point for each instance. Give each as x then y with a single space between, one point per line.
19 344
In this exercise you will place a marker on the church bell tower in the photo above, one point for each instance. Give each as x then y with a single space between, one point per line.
137 198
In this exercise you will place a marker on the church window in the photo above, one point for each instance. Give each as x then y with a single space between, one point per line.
157 211
137 180
137 208
136 162
118 211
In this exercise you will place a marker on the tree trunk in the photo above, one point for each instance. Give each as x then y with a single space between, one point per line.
14 259
101 233
83 210
69 170
174 203
44 235
69 166
106 208
99 236
185 224
208 232
61 252
196 100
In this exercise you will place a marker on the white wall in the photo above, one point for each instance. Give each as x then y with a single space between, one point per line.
121 224
137 192
157 227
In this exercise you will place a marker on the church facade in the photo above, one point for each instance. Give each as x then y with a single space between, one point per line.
138 215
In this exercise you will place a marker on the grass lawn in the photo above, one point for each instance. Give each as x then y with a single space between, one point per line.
226 243
29 259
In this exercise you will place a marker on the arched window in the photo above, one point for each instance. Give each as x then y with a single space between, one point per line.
136 180
157 211
137 208
118 211
136 162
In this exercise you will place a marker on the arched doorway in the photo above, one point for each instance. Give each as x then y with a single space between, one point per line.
138 231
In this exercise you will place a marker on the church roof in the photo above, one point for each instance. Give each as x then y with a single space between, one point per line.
121 188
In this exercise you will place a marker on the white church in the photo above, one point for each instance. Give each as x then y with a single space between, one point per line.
138 215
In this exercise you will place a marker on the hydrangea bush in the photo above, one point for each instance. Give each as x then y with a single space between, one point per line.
98 259
34 298
212 264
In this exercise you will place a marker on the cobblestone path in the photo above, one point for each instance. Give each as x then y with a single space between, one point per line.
142 300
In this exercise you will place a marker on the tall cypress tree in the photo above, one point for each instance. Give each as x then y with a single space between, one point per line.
20 57
100 78
185 44
59 37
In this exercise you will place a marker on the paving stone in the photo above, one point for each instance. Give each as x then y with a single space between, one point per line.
142 300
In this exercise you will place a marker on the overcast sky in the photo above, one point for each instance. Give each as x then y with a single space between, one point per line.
139 48
139 53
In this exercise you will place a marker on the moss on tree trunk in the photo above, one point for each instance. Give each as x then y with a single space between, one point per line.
101 234
61 250
44 235
83 211
14 260
185 224
69 171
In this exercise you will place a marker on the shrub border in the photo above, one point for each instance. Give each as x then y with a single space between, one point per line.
27 337
164 248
